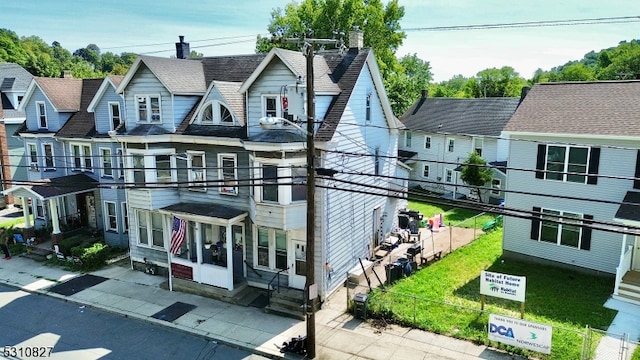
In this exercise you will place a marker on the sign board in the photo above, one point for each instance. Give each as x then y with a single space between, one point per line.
503 285
181 271
520 333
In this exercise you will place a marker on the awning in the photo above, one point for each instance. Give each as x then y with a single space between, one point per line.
629 210
55 187
207 212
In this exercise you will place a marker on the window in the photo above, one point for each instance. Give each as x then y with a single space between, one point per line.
376 162
163 168
150 228
478 143
228 173
120 163
82 160
368 108
48 157
152 169
114 114
299 187
269 183
427 142
33 157
215 112
448 175
41 111
271 105
561 228
125 217
425 170
407 139
111 217
107 167
197 171
568 163
496 185
270 256
149 108
451 145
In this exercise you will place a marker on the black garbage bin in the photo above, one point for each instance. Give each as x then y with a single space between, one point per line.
394 272
360 306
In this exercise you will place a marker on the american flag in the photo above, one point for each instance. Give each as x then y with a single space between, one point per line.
177 234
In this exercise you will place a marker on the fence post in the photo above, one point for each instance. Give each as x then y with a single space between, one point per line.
414 309
586 343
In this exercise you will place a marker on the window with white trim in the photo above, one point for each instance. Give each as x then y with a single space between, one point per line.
368 108
271 105
228 173
271 247
114 115
425 170
163 168
125 217
107 162
33 157
41 111
49 163
451 145
448 175
111 216
269 183
407 139
150 230
82 160
478 144
427 142
299 180
567 231
152 168
496 186
197 171
569 163
148 108
137 169
215 112
120 163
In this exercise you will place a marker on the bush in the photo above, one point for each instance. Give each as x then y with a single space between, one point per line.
91 256
66 245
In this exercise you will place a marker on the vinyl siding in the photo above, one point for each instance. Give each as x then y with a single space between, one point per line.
145 83
102 111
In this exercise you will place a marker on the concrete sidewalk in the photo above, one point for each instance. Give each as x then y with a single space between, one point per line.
338 335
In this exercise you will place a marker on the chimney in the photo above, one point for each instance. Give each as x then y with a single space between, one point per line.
425 93
523 94
182 48
356 38
66 74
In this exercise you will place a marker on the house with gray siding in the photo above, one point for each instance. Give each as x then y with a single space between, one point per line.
202 145
64 147
574 168
440 133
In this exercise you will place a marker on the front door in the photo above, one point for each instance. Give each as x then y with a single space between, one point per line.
298 271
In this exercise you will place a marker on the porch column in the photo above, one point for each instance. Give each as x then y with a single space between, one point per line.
620 271
56 235
229 257
29 231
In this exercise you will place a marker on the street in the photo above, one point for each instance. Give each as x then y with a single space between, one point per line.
40 326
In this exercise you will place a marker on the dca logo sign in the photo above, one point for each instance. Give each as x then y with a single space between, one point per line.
501 330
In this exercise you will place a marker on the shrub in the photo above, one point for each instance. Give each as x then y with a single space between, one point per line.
65 245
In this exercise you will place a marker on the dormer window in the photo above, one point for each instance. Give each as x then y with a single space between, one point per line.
148 108
114 115
271 105
215 113
42 114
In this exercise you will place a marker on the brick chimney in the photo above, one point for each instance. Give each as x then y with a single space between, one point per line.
182 48
356 38
66 74
425 93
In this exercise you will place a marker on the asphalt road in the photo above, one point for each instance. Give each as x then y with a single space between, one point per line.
32 324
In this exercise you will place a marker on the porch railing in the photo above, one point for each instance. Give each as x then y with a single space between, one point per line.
625 265
277 278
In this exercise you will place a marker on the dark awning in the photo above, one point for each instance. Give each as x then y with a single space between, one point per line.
630 207
210 210
55 187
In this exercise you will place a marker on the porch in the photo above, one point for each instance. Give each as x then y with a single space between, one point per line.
628 289
627 286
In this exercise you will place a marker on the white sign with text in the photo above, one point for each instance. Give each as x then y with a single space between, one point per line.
520 333
503 286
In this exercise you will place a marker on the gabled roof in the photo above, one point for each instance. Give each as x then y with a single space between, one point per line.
587 108
82 123
484 116
110 82
296 62
234 68
178 76
14 77
63 93
56 187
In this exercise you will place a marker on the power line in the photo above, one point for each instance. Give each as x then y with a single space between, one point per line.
190 41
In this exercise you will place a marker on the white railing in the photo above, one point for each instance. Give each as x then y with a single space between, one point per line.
625 265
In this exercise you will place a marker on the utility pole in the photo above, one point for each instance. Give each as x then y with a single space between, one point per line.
311 288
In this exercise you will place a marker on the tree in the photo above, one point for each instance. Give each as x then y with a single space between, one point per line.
405 85
476 173
494 82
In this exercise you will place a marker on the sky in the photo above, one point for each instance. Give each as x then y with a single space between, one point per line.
215 27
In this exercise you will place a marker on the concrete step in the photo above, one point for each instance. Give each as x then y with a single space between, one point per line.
289 294
630 287
282 311
36 253
626 298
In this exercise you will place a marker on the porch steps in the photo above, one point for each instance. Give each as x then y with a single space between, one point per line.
287 302
37 254
629 289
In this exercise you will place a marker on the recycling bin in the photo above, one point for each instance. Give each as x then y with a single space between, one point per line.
360 302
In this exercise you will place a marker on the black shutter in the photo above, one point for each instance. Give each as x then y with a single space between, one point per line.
636 181
594 163
542 153
535 223
585 244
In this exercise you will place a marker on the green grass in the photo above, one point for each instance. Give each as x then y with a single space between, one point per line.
453 216
14 222
445 298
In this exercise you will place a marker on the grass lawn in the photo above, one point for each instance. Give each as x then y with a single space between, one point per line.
445 298
452 215
14 222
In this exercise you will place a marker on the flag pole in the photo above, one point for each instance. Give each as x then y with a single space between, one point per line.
170 275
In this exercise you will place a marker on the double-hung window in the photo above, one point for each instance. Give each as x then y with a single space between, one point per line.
114 114
107 165
163 168
407 139
228 173
111 216
425 170
152 168
197 171
148 108
125 217
41 111
150 229
451 146
561 228
33 157
49 163
496 186
271 105
478 144
448 175
120 163
427 142
368 108
299 187
82 160
270 183
271 248
567 163
137 169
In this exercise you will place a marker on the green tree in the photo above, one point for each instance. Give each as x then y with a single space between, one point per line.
476 173
494 82
621 62
405 85
452 88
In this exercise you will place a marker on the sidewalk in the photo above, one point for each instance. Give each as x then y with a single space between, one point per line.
338 335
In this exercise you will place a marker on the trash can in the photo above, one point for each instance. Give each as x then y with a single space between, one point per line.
394 272
360 306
